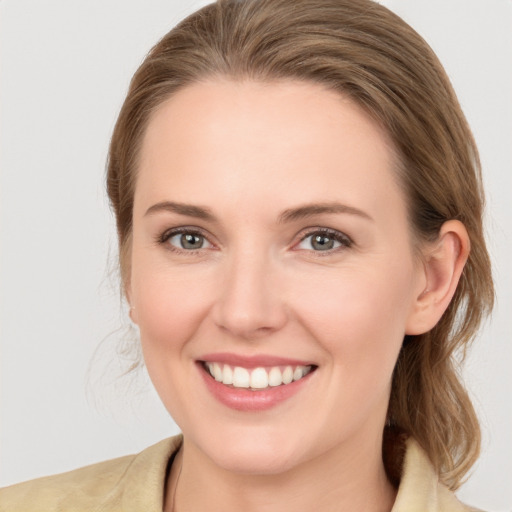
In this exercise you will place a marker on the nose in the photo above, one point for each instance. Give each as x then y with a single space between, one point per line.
250 304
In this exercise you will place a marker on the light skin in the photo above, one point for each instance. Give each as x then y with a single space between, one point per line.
238 167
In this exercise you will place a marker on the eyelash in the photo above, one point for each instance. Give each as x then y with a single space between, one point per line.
167 235
344 240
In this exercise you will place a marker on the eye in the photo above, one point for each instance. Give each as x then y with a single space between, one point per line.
185 240
324 240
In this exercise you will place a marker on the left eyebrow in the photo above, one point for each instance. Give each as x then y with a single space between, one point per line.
309 210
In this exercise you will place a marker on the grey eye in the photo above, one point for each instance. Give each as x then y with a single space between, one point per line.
189 241
321 241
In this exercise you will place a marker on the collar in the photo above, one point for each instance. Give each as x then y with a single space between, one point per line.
142 486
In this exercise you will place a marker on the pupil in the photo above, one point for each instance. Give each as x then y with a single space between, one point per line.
323 243
191 241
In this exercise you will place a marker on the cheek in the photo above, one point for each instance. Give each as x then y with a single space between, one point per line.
170 309
169 305
359 319
359 316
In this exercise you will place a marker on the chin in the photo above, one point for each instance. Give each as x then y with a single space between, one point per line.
254 454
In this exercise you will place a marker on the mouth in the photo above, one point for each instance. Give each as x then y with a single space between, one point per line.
256 379
257 383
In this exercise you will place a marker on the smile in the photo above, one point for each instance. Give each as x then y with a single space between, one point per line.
256 378
254 383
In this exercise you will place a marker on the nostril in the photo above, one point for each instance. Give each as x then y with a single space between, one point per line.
249 321
246 331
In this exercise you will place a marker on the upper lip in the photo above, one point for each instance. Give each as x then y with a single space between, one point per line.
252 361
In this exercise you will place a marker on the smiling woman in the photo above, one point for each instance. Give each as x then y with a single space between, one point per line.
299 212
292 282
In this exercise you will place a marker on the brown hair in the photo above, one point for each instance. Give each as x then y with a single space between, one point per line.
367 53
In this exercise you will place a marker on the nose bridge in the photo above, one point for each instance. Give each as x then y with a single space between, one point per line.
250 303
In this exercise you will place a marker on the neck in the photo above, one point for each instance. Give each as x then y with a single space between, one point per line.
344 479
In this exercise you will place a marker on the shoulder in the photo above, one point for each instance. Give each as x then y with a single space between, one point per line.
118 484
86 484
420 489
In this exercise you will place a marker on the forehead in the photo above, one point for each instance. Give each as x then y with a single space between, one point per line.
281 141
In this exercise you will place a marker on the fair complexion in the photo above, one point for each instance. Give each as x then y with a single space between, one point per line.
269 230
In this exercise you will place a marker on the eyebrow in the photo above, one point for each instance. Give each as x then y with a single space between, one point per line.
289 215
310 210
189 210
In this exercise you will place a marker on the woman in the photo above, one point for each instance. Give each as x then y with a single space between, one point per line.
298 203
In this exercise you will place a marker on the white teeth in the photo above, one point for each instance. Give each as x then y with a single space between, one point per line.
275 377
287 375
298 374
241 377
227 375
217 372
258 378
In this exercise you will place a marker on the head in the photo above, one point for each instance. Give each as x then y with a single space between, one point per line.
365 54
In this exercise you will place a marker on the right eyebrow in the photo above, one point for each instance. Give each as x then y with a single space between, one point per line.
188 210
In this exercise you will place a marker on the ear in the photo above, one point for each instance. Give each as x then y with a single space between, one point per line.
128 294
443 263
133 315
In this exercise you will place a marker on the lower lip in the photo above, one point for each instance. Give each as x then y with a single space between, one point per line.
243 399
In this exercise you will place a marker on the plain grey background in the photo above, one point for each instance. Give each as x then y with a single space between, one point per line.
65 67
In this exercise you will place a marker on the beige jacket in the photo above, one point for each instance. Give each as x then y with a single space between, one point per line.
135 483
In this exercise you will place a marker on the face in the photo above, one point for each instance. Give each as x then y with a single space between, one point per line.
272 271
